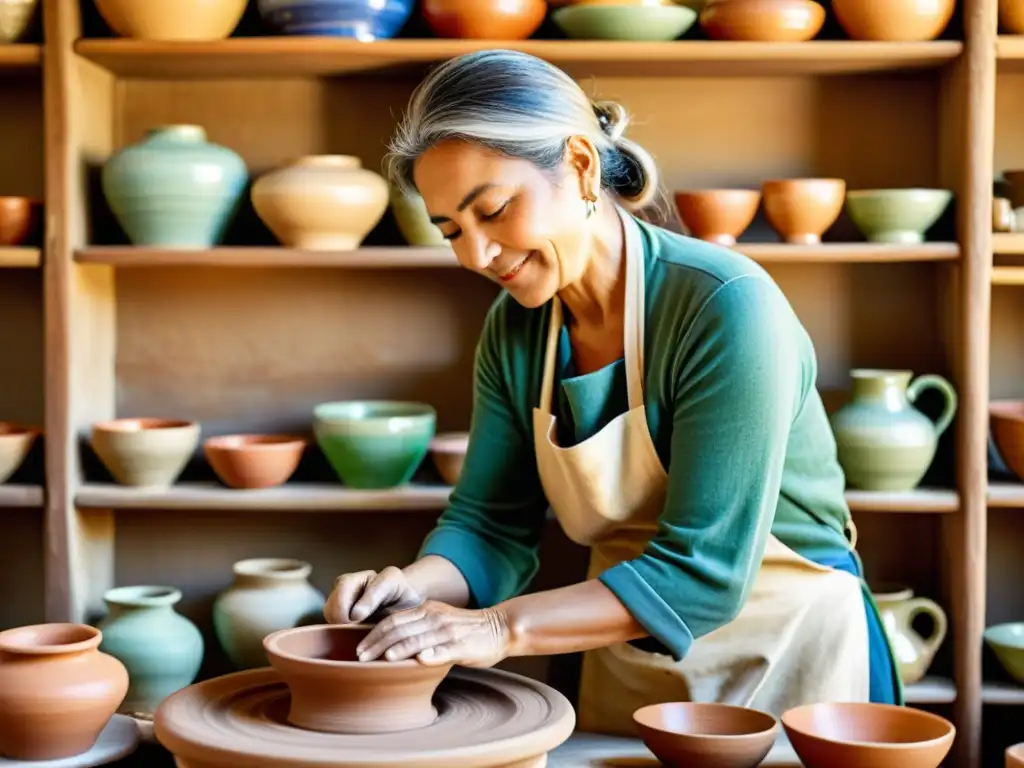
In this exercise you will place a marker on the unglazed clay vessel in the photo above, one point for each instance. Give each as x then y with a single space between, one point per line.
1007 421
15 442
914 654
254 461
148 453
321 202
172 19
160 648
365 20
448 452
57 690
266 595
717 215
896 215
1007 643
801 210
19 218
904 21
1011 16
16 18
413 220
1015 756
332 691
867 736
884 443
484 19
769 21
683 734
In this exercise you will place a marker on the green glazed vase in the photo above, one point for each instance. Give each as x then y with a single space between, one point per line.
161 649
174 189
884 443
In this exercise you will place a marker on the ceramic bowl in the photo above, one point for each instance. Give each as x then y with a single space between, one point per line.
19 218
331 691
1006 418
769 21
1011 17
860 735
413 220
1007 642
904 21
896 215
365 20
15 19
682 734
717 215
1015 756
147 453
484 19
448 451
624 22
374 444
172 20
801 210
15 442
254 461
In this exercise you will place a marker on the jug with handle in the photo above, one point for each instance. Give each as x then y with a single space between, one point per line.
914 654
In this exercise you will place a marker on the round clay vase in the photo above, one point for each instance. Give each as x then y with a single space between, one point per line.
160 648
146 453
177 20
365 20
801 210
321 202
254 461
765 21
717 215
175 189
484 19
57 690
15 442
413 220
898 609
894 21
332 691
267 595
15 19
884 443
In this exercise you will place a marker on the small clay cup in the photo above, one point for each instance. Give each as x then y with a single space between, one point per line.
484 19
1015 756
801 210
15 442
448 451
682 734
145 453
1006 418
861 735
766 21
19 217
717 215
897 21
333 692
254 461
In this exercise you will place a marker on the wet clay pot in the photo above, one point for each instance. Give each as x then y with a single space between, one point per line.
706 735
448 452
57 690
15 19
19 219
885 443
894 21
254 461
768 21
15 443
172 19
717 215
146 453
333 692
801 210
484 19
898 609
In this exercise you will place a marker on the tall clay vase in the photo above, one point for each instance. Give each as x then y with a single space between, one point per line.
898 609
321 202
57 690
884 443
267 595
175 189
161 649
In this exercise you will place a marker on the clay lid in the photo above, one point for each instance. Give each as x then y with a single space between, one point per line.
706 734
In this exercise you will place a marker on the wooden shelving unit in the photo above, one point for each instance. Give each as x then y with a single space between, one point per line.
20 257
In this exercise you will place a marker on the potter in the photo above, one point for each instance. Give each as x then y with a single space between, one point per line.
656 392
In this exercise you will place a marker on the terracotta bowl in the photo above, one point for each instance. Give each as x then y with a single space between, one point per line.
717 215
15 443
254 461
19 217
1015 756
801 210
858 735
682 734
769 21
484 19
177 20
448 451
333 692
905 21
1007 421
1011 17
148 453
1007 643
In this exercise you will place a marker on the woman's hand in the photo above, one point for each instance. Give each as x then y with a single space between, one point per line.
435 633
358 596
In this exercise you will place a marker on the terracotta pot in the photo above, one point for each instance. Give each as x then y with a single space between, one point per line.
898 609
1015 756
254 461
15 443
1011 16
149 453
57 690
321 202
708 735
717 215
15 19
19 218
1007 421
333 692
172 19
484 19
769 21
904 21
448 452
801 210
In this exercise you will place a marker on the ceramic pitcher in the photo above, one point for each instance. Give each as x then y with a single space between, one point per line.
913 652
884 442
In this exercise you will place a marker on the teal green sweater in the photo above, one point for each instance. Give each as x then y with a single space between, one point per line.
729 386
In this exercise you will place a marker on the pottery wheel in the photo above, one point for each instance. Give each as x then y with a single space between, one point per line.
118 739
486 718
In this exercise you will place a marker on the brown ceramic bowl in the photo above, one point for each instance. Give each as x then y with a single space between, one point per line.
709 735
484 19
19 217
1015 756
254 461
858 735
717 215
448 451
1007 421
894 21
1011 16
801 210
769 21
333 692
15 442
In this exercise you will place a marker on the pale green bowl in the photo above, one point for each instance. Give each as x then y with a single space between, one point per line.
899 216
624 22
1007 641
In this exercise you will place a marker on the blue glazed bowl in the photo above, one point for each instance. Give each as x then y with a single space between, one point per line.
365 20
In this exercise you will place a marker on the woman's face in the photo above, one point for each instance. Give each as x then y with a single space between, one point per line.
524 228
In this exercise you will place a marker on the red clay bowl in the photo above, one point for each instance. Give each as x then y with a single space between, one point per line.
682 734
333 692
254 461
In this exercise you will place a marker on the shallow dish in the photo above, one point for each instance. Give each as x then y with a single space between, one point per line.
624 22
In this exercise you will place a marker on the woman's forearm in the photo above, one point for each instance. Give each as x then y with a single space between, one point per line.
436 578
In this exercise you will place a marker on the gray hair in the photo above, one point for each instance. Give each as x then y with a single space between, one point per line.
523 107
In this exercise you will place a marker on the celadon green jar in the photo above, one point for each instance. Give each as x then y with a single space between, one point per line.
161 649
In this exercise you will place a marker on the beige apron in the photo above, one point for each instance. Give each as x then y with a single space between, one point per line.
802 635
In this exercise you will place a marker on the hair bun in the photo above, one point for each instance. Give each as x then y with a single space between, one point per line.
613 118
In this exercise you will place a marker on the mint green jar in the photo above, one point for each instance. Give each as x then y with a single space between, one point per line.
161 649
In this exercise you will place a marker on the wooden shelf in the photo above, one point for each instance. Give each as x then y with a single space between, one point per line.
770 253
931 690
1007 275
1006 496
21 495
19 257
1010 53
1002 693
1008 243
918 500
19 57
278 57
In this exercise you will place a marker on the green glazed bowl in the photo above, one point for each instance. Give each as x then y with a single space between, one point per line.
624 22
1007 641
899 216
374 444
